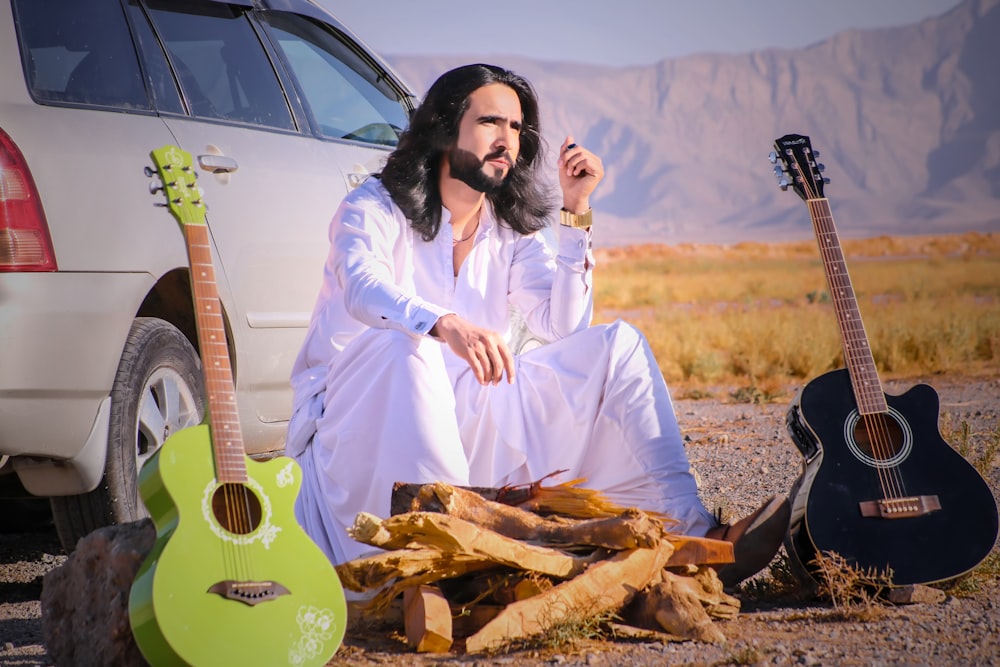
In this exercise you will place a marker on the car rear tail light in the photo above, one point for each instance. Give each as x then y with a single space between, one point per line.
25 244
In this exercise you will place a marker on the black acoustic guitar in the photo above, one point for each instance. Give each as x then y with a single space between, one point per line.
879 485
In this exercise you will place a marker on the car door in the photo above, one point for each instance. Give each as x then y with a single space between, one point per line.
271 180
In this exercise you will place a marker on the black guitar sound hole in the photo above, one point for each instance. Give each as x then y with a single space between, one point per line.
236 508
880 440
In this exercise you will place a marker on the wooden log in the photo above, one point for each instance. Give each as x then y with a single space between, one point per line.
427 620
605 586
699 551
629 530
684 606
372 572
567 500
704 583
406 497
520 588
453 535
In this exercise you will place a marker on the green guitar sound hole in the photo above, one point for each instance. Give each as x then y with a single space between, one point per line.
237 508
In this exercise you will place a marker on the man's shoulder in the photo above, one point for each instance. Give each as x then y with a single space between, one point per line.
371 203
372 191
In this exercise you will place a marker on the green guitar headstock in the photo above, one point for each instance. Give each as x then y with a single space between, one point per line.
178 182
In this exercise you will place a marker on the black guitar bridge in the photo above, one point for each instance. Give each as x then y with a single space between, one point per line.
249 592
900 508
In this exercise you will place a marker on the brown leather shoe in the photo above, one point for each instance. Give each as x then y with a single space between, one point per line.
756 539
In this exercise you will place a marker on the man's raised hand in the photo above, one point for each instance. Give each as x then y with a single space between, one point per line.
485 351
579 173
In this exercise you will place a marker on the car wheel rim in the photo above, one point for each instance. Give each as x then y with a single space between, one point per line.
166 406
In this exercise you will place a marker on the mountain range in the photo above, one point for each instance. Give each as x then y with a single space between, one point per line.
907 121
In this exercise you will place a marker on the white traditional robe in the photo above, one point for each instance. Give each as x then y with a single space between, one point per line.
377 400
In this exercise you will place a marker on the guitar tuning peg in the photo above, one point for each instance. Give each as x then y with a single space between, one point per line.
783 184
155 187
815 153
159 204
148 171
773 157
778 171
820 166
826 181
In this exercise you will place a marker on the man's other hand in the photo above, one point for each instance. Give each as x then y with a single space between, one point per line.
485 351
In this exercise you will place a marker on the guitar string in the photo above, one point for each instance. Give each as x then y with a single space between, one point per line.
218 376
849 350
233 564
875 424
878 437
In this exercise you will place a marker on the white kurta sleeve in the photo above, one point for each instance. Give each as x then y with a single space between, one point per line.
366 237
554 295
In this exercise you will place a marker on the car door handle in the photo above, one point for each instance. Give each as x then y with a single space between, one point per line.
217 164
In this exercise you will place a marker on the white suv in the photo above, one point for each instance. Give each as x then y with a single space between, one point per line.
283 110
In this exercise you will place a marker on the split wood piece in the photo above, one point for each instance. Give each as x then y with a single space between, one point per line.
454 535
500 586
567 499
605 586
570 500
684 606
373 572
405 497
427 620
520 588
699 551
631 529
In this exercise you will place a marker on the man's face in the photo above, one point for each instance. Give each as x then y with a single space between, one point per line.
489 138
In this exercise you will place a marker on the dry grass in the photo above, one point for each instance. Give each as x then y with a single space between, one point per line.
759 315
851 590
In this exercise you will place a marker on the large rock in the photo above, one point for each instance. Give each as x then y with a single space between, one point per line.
85 601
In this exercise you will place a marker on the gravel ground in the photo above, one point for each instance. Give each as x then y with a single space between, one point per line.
742 455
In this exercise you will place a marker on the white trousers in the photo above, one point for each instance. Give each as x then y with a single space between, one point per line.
594 403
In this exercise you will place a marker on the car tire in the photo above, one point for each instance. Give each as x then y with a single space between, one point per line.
158 390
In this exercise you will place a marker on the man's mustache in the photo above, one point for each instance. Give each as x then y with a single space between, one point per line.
498 155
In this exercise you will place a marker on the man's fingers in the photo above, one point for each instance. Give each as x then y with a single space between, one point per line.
508 363
498 354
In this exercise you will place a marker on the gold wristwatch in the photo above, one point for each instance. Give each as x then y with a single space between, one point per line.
581 221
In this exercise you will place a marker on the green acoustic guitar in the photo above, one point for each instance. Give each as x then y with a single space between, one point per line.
232 578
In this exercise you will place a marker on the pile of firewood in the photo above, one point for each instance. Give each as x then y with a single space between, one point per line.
497 566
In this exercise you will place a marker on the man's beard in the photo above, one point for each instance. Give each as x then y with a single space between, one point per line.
469 169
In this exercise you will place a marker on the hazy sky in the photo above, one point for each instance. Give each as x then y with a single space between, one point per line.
613 32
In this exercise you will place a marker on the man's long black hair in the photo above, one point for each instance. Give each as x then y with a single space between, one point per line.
412 170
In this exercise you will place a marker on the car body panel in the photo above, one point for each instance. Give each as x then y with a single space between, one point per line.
62 333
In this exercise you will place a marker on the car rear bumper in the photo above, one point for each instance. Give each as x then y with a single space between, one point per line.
61 337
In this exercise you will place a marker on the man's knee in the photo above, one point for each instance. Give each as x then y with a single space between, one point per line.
624 335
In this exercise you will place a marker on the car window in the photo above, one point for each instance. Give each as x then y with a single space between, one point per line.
79 52
159 80
224 70
346 96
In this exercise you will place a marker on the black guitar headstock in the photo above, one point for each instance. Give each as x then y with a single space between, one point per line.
798 167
